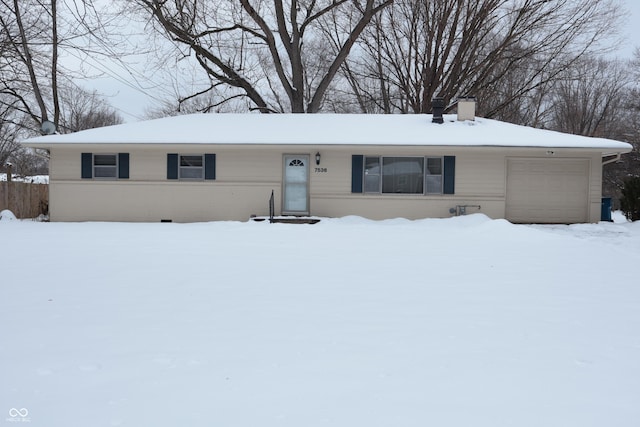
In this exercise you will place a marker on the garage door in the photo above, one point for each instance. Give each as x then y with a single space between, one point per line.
547 190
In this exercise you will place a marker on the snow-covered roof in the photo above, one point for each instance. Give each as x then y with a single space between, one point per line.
327 129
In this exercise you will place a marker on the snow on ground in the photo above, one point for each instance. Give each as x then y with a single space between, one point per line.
7 215
35 179
458 322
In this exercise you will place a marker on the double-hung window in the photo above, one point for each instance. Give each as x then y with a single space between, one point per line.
105 166
191 166
403 175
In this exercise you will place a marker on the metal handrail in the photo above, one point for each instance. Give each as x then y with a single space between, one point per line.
272 207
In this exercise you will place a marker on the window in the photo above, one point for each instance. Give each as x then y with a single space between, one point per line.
433 175
105 166
372 175
403 175
191 167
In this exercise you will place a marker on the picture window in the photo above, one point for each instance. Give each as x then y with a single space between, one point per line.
403 175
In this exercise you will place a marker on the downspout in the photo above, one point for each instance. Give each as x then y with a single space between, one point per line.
615 159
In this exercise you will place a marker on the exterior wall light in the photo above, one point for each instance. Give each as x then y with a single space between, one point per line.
317 158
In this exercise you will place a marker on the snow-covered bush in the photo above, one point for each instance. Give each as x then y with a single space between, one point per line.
7 215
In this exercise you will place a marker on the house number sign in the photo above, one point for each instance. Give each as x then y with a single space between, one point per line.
321 170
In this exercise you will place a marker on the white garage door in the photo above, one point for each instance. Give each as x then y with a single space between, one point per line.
547 190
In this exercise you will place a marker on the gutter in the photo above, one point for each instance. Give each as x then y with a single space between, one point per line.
616 158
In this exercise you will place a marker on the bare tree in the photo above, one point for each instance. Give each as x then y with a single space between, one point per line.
33 36
262 49
28 162
81 109
627 128
217 99
10 126
31 56
420 49
589 99
34 86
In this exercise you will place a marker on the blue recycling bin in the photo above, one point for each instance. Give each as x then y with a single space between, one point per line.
605 212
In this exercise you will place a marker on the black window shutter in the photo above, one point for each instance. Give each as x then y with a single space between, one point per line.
449 175
209 166
172 166
123 165
357 164
87 166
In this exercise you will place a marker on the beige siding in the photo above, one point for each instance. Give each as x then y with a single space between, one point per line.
331 191
246 175
480 174
152 202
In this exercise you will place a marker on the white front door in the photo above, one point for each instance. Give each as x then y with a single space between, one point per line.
296 185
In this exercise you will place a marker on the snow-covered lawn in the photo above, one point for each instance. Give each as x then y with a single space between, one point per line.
466 322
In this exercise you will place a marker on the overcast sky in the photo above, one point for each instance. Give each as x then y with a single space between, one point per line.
131 103
631 29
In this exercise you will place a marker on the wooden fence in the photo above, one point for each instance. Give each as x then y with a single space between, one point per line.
23 199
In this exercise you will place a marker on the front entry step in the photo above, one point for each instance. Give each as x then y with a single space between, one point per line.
288 219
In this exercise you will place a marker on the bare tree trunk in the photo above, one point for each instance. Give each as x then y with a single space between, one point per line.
281 34
28 61
54 62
